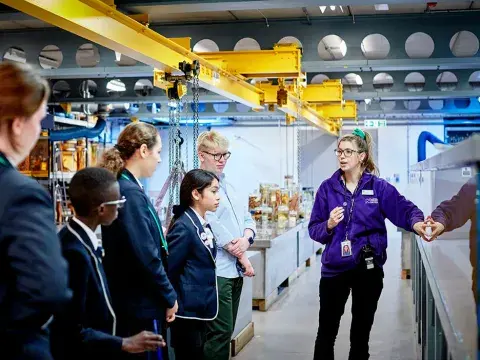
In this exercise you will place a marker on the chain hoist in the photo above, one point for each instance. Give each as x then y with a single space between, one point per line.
299 153
196 99
171 146
178 160
297 128
185 105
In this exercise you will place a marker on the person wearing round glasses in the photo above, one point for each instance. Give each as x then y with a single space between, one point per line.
234 230
349 213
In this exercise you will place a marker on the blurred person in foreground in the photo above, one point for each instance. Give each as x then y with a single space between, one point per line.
87 329
33 273
453 214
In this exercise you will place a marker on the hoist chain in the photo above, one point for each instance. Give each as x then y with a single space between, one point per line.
171 154
299 153
196 98
178 160
297 128
185 105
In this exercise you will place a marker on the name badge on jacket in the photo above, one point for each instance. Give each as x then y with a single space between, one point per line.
367 192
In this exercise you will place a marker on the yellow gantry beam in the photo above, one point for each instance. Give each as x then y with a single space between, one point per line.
284 61
102 24
99 22
301 110
345 110
293 106
325 107
328 91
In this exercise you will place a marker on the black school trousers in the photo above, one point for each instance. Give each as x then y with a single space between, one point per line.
188 338
366 287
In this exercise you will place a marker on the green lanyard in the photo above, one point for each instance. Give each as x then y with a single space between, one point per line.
4 162
155 217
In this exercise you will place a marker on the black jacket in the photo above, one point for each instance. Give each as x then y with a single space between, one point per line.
86 329
135 259
33 273
191 268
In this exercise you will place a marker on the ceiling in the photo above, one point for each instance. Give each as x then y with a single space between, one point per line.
159 15
165 14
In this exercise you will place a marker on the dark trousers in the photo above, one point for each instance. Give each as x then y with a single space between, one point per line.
220 330
366 286
188 338
129 327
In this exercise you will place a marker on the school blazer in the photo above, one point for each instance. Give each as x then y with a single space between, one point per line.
33 273
134 258
86 330
192 269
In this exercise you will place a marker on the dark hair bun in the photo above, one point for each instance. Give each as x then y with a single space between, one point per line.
178 210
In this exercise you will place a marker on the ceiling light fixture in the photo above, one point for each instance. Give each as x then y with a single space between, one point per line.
323 8
381 7
332 7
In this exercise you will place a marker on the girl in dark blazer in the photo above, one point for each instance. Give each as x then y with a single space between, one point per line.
135 246
33 273
191 263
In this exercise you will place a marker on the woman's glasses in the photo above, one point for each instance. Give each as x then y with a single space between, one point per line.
346 152
118 203
218 157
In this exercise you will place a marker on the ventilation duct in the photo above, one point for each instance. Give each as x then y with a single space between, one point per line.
69 134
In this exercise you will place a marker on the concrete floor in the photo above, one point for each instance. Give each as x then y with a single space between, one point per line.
287 330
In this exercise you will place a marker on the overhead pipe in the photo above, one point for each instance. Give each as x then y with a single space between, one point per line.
69 134
422 144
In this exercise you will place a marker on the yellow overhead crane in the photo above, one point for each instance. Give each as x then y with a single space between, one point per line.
225 73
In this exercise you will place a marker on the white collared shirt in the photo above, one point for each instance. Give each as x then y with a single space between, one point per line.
228 222
202 220
91 235
207 230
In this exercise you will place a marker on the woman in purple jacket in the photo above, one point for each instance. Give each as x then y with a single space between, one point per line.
349 218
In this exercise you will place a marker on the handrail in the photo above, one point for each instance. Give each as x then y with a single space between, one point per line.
456 351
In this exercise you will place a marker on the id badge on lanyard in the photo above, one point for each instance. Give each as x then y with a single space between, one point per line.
346 245
346 248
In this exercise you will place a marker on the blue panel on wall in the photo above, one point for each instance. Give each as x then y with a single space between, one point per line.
48 122
201 107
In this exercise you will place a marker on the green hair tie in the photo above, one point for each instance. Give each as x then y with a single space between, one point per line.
360 133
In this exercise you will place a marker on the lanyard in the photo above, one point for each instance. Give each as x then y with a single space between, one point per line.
231 205
4 162
155 217
350 213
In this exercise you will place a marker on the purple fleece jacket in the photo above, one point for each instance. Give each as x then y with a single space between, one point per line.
374 200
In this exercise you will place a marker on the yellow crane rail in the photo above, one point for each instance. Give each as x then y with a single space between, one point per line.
284 61
99 22
328 91
344 110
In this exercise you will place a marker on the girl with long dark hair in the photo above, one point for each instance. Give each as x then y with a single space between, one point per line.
191 263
